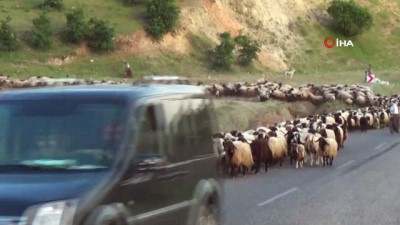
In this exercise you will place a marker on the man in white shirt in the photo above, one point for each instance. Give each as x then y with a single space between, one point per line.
394 112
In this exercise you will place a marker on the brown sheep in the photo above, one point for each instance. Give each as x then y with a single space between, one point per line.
261 153
239 155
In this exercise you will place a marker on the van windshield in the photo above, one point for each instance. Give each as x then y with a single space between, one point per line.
62 134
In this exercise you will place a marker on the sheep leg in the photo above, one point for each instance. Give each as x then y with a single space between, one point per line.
331 160
233 171
297 164
266 166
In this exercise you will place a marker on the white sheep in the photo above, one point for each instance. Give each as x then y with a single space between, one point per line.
313 149
328 148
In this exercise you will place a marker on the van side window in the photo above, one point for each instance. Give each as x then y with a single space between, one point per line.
148 134
177 129
203 127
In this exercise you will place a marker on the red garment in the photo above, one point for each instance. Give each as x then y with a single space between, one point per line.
128 72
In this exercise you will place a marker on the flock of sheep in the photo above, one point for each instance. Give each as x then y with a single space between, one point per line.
42 81
314 139
264 90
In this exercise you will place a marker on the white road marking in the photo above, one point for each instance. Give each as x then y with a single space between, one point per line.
380 145
346 164
278 196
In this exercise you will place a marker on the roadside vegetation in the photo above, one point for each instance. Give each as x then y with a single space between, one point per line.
70 34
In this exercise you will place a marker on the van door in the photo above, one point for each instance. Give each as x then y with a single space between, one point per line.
152 195
178 129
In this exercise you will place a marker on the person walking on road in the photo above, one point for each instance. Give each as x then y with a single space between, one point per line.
394 113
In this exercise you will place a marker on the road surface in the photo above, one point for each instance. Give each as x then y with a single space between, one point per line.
362 187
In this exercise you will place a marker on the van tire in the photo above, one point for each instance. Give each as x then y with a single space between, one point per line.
207 215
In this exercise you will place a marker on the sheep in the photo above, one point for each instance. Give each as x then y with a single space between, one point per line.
261 153
360 100
264 95
364 124
239 155
383 119
328 119
327 133
312 148
338 135
370 119
298 152
278 149
328 147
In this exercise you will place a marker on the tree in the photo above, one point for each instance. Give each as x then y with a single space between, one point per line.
162 17
8 37
100 35
349 17
75 28
248 49
54 4
223 53
41 33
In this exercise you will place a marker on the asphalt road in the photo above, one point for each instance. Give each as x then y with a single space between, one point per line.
362 187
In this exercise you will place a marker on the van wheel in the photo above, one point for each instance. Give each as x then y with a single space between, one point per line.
207 216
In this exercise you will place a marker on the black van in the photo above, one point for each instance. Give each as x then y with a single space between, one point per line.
108 155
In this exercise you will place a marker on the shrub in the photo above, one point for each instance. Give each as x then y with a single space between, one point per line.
162 17
8 37
223 53
100 35
41 33
75 28
133 2
349 17
248 49
54 4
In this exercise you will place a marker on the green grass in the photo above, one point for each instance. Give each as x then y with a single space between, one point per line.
236 114
316 64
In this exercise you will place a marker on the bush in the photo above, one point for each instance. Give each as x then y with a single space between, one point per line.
75 28
248 49
162 17
133 2
349 17
100 35
8 38
41 33
223 53
54 4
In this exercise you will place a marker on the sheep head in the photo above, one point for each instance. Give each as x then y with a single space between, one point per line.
229 147
322 143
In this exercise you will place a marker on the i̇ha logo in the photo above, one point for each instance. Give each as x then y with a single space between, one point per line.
331 42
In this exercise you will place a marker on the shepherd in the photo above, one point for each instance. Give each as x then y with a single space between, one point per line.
128 72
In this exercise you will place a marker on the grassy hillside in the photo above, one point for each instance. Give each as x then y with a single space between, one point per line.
379 46
186 51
